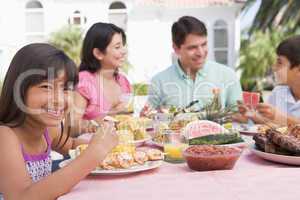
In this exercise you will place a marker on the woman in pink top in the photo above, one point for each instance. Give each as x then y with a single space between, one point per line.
101 89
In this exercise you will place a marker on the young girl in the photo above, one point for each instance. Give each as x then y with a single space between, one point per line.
101 89
33 105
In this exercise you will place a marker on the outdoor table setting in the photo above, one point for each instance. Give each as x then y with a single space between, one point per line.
251 178
174 158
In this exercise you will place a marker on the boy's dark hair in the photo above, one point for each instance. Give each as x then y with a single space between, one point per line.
290 48
98 36
187 25
31 65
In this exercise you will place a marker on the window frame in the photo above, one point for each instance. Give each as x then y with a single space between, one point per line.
122 11
216 27
80 15
29 11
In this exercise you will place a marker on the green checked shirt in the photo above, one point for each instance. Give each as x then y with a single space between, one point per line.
172 87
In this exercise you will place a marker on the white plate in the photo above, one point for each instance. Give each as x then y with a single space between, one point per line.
137 168
138 143
246 129
291 160
158 144
163 117
239 144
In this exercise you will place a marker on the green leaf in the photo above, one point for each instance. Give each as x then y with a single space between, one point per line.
68 39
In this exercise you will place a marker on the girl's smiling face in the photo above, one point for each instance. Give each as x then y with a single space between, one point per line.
47 102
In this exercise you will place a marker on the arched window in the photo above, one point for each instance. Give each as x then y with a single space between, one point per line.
34 4
117 5
77 18
221 42
34 21
118 14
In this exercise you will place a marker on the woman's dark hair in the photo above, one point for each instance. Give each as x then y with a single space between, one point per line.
98 36
32 65
187 25
290 48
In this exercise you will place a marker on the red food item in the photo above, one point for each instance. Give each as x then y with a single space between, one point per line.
211 157
202 127
251 98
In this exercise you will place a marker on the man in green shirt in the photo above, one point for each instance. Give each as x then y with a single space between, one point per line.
192 77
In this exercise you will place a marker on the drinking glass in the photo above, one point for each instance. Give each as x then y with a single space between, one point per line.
174 145
251 99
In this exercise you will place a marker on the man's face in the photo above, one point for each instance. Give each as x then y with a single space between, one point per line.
193 52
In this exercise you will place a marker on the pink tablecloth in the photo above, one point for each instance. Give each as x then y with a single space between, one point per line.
252 178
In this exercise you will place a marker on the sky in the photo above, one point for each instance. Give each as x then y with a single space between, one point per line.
248 17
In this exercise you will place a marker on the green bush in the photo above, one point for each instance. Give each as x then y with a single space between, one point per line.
258 54
68 39
140 89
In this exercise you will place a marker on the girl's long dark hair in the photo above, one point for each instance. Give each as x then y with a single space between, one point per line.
98 36
29 62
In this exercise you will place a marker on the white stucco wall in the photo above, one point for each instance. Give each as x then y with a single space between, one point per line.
150 43
148 29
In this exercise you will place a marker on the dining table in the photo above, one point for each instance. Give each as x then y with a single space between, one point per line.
252 178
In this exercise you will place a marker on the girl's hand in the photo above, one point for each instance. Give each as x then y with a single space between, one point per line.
105 138
89 127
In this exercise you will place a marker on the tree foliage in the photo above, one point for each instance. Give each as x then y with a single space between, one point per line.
68 39
274 13
275 21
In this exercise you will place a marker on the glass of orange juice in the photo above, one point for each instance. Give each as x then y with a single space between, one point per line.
174 145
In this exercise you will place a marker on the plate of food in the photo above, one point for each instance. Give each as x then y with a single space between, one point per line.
204 132
123 160
121 171
137 137
250 129
278 145
134 130
278 158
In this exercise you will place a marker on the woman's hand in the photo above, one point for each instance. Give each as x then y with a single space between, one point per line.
119 107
